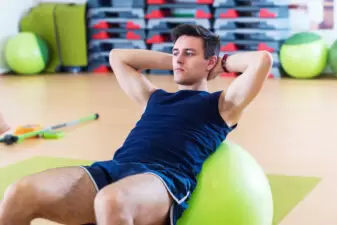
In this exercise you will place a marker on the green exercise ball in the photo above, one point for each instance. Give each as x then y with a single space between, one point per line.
304 55
333 57
26 53
232 189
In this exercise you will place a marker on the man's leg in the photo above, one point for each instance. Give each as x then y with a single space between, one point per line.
139 199
63 195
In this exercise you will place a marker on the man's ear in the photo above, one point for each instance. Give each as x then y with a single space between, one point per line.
212 62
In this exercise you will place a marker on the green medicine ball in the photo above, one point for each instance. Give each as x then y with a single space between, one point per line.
304 55
333 57
26 53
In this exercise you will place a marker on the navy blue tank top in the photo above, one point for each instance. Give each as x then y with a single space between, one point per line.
177 130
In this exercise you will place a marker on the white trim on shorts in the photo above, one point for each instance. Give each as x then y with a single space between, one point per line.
172 195
171 214
168 189
92 179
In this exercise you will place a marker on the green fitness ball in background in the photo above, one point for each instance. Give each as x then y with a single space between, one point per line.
333 57
26 53
232 189
304 55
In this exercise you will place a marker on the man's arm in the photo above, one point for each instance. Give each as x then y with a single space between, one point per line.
127 64
255 67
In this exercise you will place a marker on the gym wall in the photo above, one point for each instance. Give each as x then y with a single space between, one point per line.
301 20
314 19
10 15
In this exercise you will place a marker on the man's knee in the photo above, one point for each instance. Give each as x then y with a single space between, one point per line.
113 205
9 191
18 190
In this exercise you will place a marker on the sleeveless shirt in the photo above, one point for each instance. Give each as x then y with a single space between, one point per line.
177 130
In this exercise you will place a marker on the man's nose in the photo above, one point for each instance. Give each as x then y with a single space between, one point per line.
180 59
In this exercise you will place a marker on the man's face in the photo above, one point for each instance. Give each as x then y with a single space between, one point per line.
189 65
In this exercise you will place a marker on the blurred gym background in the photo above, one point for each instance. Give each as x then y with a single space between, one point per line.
72 36
283 130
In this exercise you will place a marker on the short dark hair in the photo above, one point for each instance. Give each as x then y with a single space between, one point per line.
211 40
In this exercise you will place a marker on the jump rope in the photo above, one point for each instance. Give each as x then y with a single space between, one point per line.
24 132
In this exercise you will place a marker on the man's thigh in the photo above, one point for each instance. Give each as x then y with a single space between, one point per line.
146 196
64 195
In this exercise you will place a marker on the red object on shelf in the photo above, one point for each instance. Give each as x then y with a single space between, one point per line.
264 47
204 1
155 2
231 13
102 69
155 14
101 35
130 35
132 25
202 14
230 47
164 2
155 39
101 25
265 13
228 74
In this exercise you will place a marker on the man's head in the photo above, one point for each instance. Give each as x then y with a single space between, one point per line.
195 53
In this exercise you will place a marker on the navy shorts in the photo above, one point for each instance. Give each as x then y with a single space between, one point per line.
103 173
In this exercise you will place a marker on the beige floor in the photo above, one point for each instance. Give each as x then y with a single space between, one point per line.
290 129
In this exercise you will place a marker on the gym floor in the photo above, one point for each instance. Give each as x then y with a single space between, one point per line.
290 129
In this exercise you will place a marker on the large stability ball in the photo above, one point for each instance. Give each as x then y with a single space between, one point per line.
232 189
26 53
304 55
333 57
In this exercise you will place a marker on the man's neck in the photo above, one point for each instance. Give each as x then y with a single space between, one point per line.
195 87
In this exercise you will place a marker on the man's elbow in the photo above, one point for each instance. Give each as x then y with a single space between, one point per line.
115 57
262 64
114 54
265 59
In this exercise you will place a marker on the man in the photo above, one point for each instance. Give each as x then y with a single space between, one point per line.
153 174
